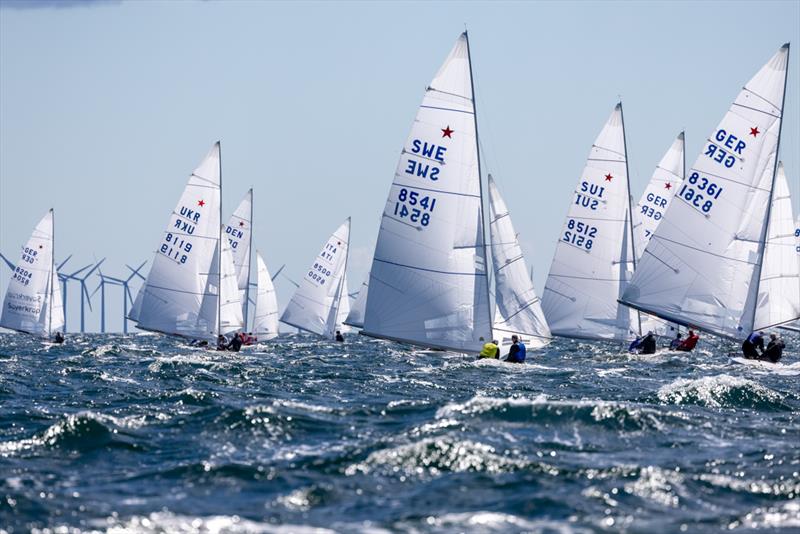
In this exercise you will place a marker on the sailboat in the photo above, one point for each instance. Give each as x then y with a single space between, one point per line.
702 267
795 326
314 307
191 289
265 322
428 284
356 316
33 302
519 309
240 236
595 256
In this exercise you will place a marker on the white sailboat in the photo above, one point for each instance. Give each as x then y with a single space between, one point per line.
33 303
356 316
240 235
314 307
702 267
265 322
795 326
595 256
181 295
519 309
428 283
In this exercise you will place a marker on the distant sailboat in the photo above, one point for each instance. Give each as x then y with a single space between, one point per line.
428 283
703 265
33 301
795 326
519 309
356 316
314 307
181 295
240 235
595 256
344 308
265 322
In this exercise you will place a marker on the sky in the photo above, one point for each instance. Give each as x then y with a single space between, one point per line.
107 107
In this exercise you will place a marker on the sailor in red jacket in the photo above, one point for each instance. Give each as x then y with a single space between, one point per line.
688 344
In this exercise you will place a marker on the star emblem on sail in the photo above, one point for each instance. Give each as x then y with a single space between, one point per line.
705 265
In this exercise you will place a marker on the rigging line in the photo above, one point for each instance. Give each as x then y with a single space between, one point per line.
656 236
754 109
444 192
214 185
509 262
598 147
447 109
575 277
428 270
762 97
435 90
522 309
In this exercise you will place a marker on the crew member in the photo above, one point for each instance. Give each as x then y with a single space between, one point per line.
490 350
516 354
754 341
339 336
236 343
58 338
774 350
648 344
689 343
676 342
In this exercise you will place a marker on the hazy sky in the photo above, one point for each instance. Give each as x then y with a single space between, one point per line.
106 107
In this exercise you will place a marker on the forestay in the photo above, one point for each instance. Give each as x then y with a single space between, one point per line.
428 283
702 265
175 297
239 234
314 307
594 256
33 302
519 309
265 323
356 316
779 290
666 180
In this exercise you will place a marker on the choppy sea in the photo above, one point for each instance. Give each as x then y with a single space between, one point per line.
147 434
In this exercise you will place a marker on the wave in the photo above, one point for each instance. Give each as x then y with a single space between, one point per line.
722 391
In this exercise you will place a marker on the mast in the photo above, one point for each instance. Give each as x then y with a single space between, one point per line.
249 264
52 271
219 249
341 282
630 201
762 242
480 182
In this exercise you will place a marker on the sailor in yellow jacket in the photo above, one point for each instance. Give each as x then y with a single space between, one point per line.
490 350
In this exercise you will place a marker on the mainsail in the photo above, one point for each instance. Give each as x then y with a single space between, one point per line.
594 256
356 316
519 309
180 295
428 283
315 304
779 289
702 267
33 299
239 234
344 308
265 323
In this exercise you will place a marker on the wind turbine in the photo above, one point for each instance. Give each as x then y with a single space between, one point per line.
102 287
85 298
127 292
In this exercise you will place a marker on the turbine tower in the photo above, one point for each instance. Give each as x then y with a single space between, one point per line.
85 298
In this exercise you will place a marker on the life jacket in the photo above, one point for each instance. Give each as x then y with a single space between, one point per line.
521 353
689 342
489 350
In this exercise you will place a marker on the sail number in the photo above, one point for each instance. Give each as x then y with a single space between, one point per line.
29 255
414 206
175 247
580 234
319 274
719 154
705 201
22 276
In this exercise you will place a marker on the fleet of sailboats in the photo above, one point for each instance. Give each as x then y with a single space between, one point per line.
714 248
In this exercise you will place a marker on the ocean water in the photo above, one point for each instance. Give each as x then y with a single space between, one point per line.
144 433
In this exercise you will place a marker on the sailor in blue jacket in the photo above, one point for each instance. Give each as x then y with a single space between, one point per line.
516 354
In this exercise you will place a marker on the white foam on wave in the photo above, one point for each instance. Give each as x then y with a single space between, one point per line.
484 521
787 515
711 390
658 485
167 522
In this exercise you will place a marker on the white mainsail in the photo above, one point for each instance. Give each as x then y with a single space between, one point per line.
356 316
344 308
33 299
428 283
594 257
230 306
702 265
314 307
240 235
779 289
666 180
265 323
519 308
795 326
175 297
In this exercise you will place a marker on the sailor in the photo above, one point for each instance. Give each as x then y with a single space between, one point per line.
676 342
754 341
689 343
516 354
635 345
490 350
648 344
58 338
236 343
774 349
339 336
221 342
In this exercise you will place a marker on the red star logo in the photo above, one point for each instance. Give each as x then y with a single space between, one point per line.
668 185
754 131
447 132
241 223
608 177
201 203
